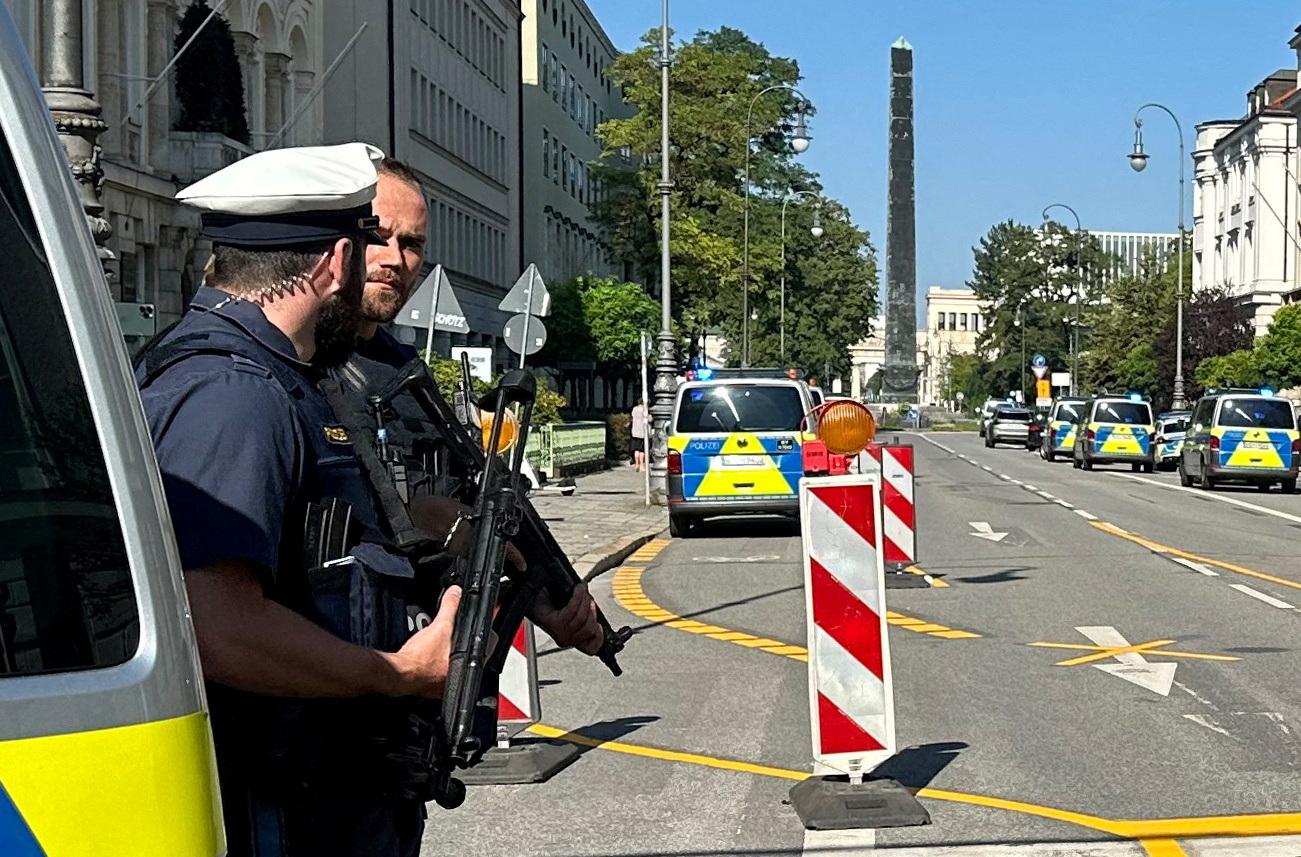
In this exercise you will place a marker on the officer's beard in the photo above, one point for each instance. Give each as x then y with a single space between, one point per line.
336 329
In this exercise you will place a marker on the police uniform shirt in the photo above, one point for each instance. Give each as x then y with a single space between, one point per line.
384 348
227 438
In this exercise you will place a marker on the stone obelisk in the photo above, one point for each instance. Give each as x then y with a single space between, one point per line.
901 371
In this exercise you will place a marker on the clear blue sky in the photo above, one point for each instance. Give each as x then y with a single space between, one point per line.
1019 104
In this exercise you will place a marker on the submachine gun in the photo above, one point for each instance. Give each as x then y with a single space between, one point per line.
493 602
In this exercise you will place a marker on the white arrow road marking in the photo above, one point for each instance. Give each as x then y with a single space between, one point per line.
1133 667
984 531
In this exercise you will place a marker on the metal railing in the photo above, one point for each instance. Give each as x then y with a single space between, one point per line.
565 448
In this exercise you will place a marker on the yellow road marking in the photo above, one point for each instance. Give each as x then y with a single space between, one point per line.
1157 547
931 629
1171 652
935 581
631 597
1156 835
1137 648
648 551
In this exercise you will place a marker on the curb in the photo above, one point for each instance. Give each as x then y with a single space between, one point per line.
612 554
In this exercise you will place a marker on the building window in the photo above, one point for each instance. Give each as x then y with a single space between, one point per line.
975 322
953 321
940 322
962 322
545 71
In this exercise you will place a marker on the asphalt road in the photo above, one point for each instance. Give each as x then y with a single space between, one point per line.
1183 749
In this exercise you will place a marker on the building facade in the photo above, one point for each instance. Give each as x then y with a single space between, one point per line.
566 97
954 320
127 44
437 85
1246 231
1129 249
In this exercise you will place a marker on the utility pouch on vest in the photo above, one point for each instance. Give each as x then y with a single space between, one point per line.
363 597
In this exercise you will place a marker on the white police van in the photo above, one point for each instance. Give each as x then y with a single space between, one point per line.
105 746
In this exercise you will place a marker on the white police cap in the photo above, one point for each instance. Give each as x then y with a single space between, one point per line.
297 195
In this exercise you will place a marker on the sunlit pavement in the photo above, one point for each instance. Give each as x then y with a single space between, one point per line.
1125 685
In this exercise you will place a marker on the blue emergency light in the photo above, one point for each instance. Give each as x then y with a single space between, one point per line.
1136 397
1266 391
704 373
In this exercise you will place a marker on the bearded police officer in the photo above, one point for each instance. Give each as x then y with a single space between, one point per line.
392 268
276 527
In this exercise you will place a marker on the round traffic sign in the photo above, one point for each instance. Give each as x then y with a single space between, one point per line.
513 333
1038 360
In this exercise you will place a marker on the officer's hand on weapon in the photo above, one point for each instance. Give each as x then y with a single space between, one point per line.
574 625
422 661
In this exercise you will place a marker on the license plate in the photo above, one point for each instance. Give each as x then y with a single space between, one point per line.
1256 445
743 460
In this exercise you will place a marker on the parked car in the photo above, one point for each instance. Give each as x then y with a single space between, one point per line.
735 448
987 411
1010 424
1115 430
1246 437
1171 427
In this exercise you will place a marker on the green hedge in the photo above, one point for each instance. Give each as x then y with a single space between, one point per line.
618 438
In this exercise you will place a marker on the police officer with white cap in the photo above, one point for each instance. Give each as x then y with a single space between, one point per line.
274 521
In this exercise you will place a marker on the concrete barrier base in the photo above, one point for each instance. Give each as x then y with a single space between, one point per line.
833 803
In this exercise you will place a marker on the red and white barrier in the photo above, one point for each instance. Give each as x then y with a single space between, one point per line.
851 699
518 703
894 461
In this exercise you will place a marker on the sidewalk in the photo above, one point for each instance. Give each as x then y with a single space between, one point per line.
604 520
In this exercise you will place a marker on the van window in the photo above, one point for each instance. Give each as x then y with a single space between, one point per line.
66 599
1129 413
1256 413
1068 411
740 407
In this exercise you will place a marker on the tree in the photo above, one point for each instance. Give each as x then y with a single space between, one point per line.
209 83
1214 325
963 373
716 77
1235 369
1029 281
599 320
1277 356
1120 352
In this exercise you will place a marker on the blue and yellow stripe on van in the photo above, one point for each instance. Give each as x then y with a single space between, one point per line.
147 788
1255 447
1121 440
1063 435
709 474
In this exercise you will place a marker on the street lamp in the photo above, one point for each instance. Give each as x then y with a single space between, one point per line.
1079 283
800 140
1138 160
666 364
817 231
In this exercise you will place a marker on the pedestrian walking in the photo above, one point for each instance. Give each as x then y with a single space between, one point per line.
638 434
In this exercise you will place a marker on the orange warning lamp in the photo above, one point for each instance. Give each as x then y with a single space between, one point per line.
845 426
509 431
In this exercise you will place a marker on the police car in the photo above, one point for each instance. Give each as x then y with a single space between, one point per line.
1115 430
105 746
735 447
1170 429
1241 436
1059 427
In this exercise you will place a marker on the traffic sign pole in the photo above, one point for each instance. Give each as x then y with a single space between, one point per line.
528 314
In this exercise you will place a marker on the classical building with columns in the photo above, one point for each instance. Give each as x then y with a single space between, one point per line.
126 46
1246 230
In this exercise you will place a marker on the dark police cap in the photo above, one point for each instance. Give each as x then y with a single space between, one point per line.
298 195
